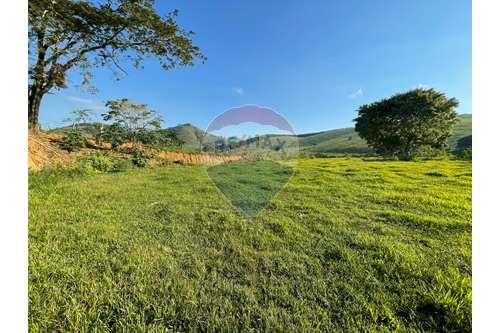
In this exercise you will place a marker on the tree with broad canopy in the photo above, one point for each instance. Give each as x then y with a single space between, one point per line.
407 123
68 34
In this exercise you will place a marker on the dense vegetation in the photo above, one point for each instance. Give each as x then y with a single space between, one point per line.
418 122
347 245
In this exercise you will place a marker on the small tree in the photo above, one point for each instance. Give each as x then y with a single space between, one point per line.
134 118
406 123
79 116
74 139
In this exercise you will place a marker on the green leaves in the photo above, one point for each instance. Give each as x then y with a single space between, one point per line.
408 123
74 140
115 134
132 117
67 34
69 30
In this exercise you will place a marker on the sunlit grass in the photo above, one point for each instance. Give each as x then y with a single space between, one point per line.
250 185
347 245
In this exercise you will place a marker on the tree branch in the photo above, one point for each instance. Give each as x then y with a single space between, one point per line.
103 45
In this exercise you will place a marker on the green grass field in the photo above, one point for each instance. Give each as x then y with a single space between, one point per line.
347 245
250 186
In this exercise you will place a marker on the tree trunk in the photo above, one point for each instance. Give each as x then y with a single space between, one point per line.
34 100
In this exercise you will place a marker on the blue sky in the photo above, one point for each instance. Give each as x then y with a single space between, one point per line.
314 62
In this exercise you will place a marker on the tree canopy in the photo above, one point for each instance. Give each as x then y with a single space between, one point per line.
67 34
134 118
406 123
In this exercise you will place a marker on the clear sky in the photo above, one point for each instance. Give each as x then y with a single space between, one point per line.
314 62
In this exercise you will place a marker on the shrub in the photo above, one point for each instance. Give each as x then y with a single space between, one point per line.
120 165
73 140
146 137
140 159
115 135
95 162
101 162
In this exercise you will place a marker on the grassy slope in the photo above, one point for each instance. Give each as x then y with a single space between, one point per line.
346 140
348 244
462 129
250 186
189 134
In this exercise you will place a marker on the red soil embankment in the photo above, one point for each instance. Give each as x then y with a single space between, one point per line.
44 151
197 158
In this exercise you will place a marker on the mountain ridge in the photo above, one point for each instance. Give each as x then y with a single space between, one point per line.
336 141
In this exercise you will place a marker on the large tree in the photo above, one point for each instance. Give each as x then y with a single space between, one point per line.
69 34
406 123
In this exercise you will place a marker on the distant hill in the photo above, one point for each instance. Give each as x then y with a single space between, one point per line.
346 140
88 129
462 129
337 141
192 136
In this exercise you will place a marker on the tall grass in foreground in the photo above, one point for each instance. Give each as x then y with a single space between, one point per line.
348 245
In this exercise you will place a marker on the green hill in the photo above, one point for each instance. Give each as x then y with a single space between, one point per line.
462 129
88 129
190 135
347 141
337 141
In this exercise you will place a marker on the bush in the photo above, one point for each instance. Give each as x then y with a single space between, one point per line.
101 162
147 137
96 162
74 140
120 165
115 135
140 159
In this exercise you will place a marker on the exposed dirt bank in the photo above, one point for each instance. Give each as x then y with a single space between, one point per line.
44 151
